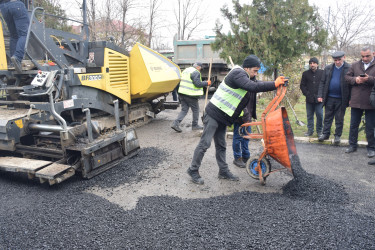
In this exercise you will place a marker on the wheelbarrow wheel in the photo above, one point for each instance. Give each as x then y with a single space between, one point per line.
252 163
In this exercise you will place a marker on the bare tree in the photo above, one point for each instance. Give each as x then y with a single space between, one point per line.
189 16
91 18
117 19
349 24
108 18
125 6
154 7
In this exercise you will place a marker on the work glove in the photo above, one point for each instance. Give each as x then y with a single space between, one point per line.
208 82
279 81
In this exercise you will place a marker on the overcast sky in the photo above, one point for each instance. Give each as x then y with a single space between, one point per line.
212 13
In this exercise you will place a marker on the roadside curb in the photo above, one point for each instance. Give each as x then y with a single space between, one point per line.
343 143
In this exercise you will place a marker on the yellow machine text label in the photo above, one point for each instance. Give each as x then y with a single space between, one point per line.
91 77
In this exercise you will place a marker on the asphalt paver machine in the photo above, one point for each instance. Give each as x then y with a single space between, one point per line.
72 107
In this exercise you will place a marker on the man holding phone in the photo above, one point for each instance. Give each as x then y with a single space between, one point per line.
361 78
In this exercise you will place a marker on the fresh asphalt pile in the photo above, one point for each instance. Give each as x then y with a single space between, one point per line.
312 213
313 188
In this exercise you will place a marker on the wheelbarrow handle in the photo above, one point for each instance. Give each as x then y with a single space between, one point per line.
286 83
242 129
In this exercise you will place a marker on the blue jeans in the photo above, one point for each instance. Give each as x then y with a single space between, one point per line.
316 108
240 145
17 19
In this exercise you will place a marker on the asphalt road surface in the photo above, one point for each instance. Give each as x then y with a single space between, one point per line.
149 202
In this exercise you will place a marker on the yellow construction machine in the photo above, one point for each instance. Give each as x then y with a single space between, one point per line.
72 108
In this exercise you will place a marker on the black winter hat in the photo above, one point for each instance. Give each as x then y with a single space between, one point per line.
314 59
251 61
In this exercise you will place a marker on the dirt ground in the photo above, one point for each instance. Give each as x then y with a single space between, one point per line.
171 178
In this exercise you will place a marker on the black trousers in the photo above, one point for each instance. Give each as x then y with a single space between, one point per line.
217 131
186 103
355 120
334 110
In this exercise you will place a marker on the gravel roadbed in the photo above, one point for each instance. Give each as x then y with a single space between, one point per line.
148 202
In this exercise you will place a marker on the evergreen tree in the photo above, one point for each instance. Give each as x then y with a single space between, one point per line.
277 31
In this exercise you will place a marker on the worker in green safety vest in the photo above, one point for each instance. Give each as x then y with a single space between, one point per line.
224 108
189 91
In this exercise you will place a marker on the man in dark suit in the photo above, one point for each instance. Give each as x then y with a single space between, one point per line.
334 94
361 77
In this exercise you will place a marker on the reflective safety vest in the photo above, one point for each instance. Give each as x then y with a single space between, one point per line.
227 99
186 85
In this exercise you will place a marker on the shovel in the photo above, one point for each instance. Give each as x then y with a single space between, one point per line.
231 62
209 77
299 123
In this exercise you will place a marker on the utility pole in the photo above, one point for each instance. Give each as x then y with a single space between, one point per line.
179 21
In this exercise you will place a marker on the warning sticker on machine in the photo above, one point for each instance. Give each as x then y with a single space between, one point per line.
68 103
19 123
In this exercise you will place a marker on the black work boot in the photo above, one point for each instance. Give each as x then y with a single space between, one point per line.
323 137
245 159
17 64
176 127
370 153
337 140
228 175
239 163
309 133
350 149
195 177
197 127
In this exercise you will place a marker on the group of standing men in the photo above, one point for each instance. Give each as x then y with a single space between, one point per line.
338 86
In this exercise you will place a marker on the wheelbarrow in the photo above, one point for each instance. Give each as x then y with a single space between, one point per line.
277 138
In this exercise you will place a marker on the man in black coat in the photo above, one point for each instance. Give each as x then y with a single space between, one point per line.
224 108
309 86
334 93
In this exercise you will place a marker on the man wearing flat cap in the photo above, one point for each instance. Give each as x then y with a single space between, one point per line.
225 106
361 77
189 91
309 85
334 94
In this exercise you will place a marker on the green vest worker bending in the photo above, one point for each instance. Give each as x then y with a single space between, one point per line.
191 88
224 108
